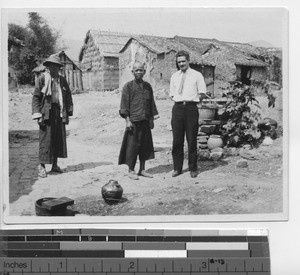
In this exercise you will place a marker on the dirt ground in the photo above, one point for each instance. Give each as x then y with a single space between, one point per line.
95 134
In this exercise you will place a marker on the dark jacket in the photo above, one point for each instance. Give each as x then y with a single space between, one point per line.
42 104
137 101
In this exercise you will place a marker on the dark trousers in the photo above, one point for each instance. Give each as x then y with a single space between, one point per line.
137 142
184 122
52 137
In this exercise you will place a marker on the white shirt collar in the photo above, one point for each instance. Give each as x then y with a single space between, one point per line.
187 70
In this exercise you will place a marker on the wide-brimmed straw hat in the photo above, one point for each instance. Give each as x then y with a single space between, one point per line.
52 59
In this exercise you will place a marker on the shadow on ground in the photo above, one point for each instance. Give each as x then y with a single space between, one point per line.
160 169
161 149
23 162
204 166
82 166
211 165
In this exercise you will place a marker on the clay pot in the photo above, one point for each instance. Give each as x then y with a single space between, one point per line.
206 113
112 192
214 141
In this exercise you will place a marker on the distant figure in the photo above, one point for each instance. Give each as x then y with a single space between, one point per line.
138 108
51 106
187 89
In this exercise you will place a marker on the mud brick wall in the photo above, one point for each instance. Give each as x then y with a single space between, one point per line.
164 66
111 73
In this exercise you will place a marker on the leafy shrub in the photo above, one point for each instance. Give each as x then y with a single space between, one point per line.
239 120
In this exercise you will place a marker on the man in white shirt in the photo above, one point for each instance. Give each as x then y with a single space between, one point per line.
187 88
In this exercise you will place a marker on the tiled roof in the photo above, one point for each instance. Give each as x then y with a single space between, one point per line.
164 45
230 52
112 43
109 43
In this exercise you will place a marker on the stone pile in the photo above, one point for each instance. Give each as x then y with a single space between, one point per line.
208 128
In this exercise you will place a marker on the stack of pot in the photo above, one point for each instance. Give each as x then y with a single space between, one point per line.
207 125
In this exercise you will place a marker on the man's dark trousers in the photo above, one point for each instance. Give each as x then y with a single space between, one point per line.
185 122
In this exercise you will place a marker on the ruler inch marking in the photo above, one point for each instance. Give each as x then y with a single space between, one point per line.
219 260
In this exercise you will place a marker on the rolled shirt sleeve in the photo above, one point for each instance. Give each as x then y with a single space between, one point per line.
172 87
154 111
194 85
201 86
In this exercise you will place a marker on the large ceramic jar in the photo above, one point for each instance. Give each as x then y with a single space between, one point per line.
206 112
214 141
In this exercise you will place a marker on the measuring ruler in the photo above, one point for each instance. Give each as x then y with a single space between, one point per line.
134 252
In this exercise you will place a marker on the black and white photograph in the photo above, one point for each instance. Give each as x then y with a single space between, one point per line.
145 114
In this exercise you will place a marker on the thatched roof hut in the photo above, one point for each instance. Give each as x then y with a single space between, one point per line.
271 56
234 54
158 53
70 70
161 45
107 43
99 59
231 62
64 59
106 53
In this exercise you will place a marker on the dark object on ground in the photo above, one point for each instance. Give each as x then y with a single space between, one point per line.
267 123
268 127
56 204
41 210
112 192
234 141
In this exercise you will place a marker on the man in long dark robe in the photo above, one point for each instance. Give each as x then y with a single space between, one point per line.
138 108
51 106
